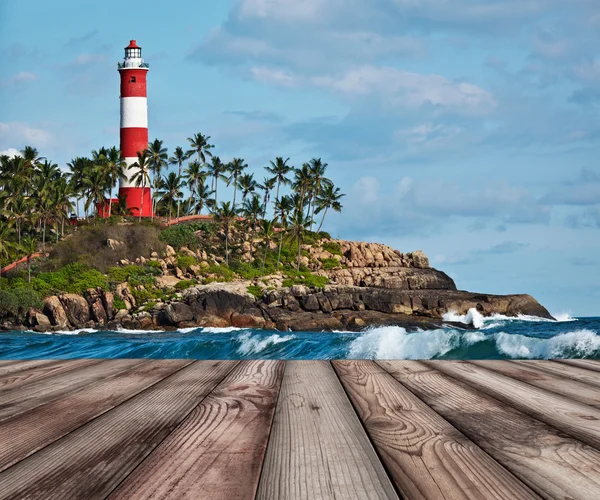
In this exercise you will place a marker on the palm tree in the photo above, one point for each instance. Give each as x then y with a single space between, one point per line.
216 170
283 208
319 181
267 186
252 211
79 167
280 169
171 191
94 185
28 246
302 183
195 177
329 198
157 160
142 176
235 169
267 233
203 197
226 216
61 198
247 185
179 156
6 243
299 224
199 145
114 169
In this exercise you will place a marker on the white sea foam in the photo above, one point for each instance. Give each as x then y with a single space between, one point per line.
394 342
473 317
67 332
225 329
120 329
254 344
579 343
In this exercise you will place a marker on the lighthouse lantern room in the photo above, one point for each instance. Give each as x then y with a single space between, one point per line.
134 129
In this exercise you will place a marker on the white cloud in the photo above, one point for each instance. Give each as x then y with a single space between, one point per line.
274 76
24 76
10 152
21 133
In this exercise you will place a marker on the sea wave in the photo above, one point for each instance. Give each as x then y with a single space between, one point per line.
253 344
392 342
475 318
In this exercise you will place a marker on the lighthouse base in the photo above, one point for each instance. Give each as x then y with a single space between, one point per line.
138 200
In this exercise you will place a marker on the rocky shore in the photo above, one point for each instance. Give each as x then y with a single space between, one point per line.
370 285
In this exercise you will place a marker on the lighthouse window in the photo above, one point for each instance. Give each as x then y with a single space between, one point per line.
132 79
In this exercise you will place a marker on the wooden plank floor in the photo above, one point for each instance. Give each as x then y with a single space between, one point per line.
137 429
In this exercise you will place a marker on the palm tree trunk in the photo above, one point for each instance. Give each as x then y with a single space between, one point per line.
227 245
44 236
178 198
110 201
276 196
299 251
142 204
265 256
234 191
216 191
279 252
322 220
29 268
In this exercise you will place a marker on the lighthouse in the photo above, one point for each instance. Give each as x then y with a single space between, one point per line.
134 128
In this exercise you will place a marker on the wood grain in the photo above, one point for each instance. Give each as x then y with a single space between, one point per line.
550 462
92 460
12 366
28 432
41 392
578 391
217 451
426 457
588 364
576 419
318 447
44 372
571 372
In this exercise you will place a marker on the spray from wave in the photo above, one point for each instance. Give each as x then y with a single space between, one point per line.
250 344
396 343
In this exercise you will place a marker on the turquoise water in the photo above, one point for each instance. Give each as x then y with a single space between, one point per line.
496 338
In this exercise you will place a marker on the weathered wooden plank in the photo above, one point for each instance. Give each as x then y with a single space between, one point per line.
218 450
588 364
571 372
426 457
13 365
18 379
550 462
28 432
41 392
92 460
579 420
318 447
578 391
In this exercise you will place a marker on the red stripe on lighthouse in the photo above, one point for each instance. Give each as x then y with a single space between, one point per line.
133 140
133 82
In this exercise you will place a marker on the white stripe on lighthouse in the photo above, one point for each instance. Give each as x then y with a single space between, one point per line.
134 112
129 172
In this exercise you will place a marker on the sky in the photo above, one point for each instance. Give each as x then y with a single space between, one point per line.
468 129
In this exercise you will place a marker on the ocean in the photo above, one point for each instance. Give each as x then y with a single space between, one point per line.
496 337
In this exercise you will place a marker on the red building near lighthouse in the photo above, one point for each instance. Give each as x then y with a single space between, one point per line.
134 127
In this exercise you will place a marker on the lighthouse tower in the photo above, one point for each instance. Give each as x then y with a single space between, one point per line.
134 127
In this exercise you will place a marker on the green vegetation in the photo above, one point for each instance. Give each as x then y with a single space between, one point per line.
184 284
184 262
74 278
180 236
330 263
306 278
118 304
256 291
332 247
15 303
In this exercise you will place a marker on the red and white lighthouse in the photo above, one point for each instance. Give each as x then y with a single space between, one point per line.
134 127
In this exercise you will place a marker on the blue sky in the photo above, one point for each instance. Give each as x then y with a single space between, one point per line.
466 128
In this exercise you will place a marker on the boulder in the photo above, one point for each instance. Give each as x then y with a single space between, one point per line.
38 321
76 308
55 312
94 300
178 312
114 244
124 293
170 251
167 281
108 300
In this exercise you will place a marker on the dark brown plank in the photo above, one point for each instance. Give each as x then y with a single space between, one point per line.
44 372
12 366
570 372
28 432
550 462
579 420
92 460
318 447
584 393
41 392
426 457
588 364
218 450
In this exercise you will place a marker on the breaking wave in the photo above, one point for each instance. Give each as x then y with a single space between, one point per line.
250 344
